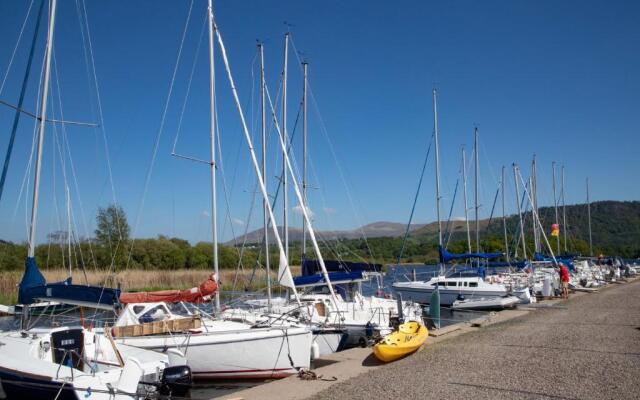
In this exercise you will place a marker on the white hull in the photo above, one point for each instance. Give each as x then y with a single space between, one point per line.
450 289
486 303
237 354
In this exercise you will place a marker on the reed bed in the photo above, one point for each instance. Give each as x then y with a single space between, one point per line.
139 279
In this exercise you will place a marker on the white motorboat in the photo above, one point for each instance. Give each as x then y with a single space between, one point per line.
72 363
223 349
486 303
450 289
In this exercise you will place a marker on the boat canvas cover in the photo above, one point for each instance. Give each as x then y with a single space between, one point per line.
197 294
334 278
445 256
311 267
33 288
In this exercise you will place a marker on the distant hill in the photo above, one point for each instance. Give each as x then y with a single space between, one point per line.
615 228
373 230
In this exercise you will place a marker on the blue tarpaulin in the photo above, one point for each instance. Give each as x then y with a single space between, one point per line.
33 288
445 256
334 277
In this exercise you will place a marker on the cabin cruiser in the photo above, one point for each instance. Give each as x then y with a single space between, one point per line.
216 348
73 362
451 289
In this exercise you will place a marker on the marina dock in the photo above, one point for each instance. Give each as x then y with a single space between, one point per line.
587 347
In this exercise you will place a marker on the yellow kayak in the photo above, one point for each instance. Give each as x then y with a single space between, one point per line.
407 339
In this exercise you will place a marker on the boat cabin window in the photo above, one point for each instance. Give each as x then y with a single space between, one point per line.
473 284
451 283
442 284
465 284
157 313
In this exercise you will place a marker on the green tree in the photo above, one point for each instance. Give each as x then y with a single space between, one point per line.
112 234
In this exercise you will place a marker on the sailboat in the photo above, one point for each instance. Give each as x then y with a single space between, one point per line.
71 362
449 287
217 347
338 320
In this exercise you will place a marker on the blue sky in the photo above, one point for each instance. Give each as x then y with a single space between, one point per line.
559 79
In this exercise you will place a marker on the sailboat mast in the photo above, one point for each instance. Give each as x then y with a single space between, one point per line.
41 130
305 67
16 118
466 207
564 213
477 163
436 139
265 217
524 245
285 196
504 217
555 202
212 141
534 205
589 218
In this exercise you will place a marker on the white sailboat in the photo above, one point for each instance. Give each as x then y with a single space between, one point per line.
220 348
71 362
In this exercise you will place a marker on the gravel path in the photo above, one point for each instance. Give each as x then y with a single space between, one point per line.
585 348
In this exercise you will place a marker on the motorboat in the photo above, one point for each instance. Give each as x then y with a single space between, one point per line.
450 288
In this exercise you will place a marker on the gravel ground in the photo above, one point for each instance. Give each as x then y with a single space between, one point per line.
585 348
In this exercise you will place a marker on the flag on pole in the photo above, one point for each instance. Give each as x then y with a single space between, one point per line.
555 230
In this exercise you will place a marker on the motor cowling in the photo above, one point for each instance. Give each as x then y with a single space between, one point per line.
176 381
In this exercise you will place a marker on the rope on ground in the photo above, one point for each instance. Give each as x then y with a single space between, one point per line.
308 375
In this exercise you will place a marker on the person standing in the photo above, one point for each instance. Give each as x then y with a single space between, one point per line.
564 279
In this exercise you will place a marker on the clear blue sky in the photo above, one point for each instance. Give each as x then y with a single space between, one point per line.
559 79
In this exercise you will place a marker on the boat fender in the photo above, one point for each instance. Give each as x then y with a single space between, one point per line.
315 350
368 330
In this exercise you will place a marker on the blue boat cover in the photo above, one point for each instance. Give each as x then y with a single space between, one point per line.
311 267
445 256
33 288
565 260
334 277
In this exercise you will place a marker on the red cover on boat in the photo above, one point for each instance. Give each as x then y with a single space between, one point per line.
198 294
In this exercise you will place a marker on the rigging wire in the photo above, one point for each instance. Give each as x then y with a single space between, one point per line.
415 200
159 134
15 49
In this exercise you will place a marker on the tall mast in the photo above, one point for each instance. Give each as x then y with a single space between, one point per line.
533 185
564 214
265 216
524 245
555 203
284 270
16 118
466 207
436 139
504 217
212 141
475 150
285 196
41 130
589 218
305 67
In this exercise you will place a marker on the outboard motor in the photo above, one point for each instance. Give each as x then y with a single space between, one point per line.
176 381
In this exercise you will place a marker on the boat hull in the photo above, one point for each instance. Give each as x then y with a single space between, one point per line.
16 385
422 295
264 353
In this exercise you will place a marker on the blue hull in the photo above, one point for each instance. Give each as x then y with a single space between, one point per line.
22 386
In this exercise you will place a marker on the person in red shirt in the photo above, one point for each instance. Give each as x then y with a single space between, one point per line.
564 278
